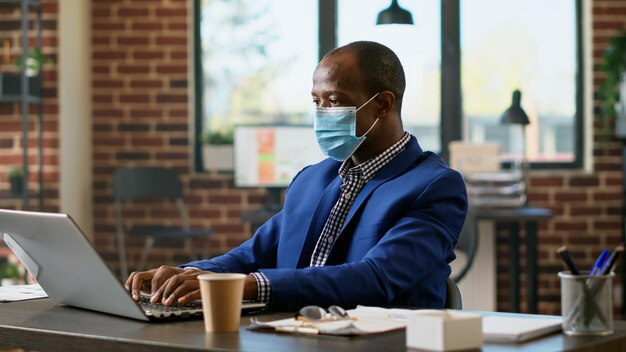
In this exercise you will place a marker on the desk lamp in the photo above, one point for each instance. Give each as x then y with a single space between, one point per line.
394 14
515 115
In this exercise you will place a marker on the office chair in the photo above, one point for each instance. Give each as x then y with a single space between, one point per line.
151 183
453 295
467 245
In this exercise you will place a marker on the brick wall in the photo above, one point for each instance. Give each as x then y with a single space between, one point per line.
141 116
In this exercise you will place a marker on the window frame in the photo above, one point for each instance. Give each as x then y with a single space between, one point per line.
451 116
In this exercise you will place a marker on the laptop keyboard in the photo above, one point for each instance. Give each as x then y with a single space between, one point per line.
158 310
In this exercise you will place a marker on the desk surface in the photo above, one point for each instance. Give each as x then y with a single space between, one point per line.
45 326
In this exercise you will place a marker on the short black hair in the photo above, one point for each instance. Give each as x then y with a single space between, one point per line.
380 67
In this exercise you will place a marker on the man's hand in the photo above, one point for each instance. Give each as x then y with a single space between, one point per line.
167 284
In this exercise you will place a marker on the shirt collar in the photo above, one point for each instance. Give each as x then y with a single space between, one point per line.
369 168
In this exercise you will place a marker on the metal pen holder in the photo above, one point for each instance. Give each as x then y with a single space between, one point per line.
587 303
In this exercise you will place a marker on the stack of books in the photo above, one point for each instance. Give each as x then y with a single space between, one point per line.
491 179
505 188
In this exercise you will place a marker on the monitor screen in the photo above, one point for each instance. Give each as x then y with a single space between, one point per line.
270 156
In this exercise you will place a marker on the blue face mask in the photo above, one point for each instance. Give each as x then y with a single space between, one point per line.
335 130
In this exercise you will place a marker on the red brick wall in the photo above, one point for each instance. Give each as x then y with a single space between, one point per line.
141 116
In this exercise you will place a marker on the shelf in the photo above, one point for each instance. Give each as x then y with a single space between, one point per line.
17 98
5 194
10 197
11 92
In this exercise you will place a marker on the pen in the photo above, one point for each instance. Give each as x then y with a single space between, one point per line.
610 263
564 253
599 264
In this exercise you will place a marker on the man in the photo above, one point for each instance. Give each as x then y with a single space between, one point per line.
376 229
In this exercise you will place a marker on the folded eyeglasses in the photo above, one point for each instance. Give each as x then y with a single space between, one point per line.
315 313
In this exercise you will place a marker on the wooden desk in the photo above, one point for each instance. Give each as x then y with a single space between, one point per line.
44 326
513 217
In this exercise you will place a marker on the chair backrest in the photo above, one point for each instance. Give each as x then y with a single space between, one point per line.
131 183
453 295
468 244
146 182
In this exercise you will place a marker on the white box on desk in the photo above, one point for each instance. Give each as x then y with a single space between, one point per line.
444 330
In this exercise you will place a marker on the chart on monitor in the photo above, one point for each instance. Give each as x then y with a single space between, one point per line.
270 156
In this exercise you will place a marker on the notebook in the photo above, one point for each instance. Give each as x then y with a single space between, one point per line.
513 328
56 252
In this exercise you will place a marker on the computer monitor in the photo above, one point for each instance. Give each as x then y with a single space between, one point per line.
270 156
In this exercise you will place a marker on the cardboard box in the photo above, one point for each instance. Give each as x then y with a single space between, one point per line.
444 330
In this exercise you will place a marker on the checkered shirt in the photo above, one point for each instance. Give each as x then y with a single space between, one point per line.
354 178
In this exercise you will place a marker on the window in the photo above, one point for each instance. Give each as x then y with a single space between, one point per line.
527 45
257 68
256 61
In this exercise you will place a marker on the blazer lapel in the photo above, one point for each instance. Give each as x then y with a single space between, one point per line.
322 211
396 166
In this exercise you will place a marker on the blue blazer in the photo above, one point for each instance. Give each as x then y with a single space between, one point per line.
394 247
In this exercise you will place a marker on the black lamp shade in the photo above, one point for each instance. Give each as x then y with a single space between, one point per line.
515 115
394 14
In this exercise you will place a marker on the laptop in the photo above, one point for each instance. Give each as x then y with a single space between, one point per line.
63 261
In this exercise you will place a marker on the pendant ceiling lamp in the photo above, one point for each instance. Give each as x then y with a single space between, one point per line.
394 14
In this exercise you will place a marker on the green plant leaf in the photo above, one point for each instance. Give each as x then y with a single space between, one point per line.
613 65
218 137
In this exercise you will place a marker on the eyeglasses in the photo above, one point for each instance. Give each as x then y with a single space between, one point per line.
315 313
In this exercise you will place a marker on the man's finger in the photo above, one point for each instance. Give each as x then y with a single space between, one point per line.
182 290
190 297
129 281
169 287
161 275
137 283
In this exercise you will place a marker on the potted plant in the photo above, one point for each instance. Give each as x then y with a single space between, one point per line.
217 150
16 179
614 68
35 60
11 82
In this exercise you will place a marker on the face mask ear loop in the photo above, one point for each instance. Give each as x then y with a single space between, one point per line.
372 98
374 124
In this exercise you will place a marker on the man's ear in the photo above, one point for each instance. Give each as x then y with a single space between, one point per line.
384 103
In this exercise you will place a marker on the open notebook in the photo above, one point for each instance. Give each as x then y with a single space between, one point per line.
55 251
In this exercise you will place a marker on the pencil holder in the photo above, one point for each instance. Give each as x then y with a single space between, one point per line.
586 304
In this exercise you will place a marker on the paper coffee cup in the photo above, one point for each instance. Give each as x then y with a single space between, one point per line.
221 301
